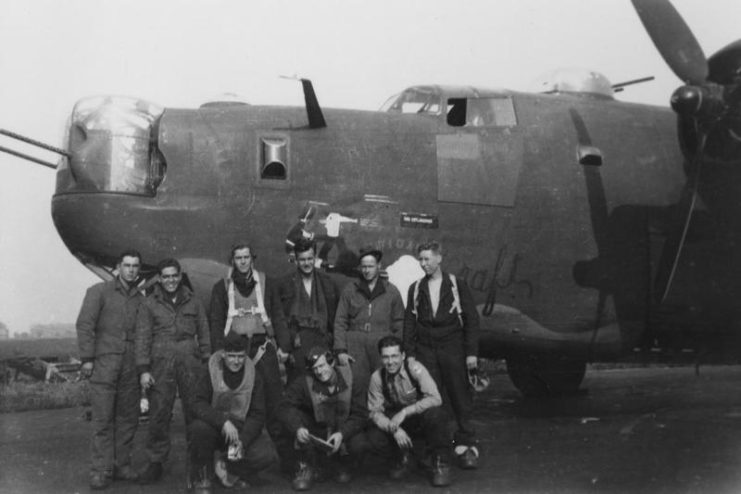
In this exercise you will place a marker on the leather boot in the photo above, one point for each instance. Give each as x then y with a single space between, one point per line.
125 472
100 480
304 478
202 484
401 467
469 459
440 475
152 473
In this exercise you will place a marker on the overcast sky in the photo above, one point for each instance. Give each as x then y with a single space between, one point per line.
183 52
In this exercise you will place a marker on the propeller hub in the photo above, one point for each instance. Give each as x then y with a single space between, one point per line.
687 100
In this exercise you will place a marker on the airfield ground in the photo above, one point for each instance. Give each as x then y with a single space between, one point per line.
646 430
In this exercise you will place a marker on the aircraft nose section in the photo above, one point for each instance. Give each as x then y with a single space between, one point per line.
112 145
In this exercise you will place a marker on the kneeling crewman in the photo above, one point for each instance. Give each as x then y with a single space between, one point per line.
404 401
324 413
229 414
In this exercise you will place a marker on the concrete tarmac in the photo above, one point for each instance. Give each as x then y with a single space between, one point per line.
640 430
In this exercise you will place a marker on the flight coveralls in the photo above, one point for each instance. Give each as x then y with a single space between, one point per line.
363 318
171 342
105 335
217 399
257 331
310 322
442 341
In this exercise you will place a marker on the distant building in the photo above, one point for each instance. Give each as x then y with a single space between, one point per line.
52 331
4 332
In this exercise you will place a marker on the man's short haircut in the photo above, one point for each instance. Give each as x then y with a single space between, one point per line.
389 341
316 352
129 253
169 263
237 247
235 343
303 245
432 245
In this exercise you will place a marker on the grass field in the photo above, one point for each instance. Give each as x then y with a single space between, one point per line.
19 396
60 348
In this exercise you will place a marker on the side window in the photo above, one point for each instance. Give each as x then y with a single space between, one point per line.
481 112
457 112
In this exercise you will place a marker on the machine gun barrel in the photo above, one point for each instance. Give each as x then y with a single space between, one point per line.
27 157
34 142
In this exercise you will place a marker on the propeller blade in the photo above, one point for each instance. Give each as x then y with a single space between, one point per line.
687 205
674 40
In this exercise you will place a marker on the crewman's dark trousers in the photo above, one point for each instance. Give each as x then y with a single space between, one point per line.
290 451
114 399
173 374
430 426
205 439
446 362
270 370
362 346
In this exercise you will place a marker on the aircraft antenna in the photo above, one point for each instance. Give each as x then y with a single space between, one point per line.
313 110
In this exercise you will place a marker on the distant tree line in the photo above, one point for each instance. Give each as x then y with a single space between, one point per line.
40 331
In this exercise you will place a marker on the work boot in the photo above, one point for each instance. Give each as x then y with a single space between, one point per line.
304 478
468 459
125 473
440 475
152 474
343 474
401 467
202 484
222 473
100 480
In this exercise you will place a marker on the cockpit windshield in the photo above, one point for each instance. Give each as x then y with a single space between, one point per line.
415 100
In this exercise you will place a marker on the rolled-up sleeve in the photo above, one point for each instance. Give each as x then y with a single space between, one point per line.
376 402
430 394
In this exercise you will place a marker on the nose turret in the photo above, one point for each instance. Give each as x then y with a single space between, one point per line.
112 146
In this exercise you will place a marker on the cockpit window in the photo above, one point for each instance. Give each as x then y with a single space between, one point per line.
415 100
481 112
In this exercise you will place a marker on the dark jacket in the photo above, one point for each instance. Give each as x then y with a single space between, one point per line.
219 306
250 426
382 310
287 294
162 328
296 409
445 326
107 319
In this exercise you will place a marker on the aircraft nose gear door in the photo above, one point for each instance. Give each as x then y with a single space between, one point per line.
481 163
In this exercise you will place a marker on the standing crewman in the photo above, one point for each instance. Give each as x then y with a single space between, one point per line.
441 329
324 414
404 403
246 304
228 416
105 335
369 309
309 300
172 339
